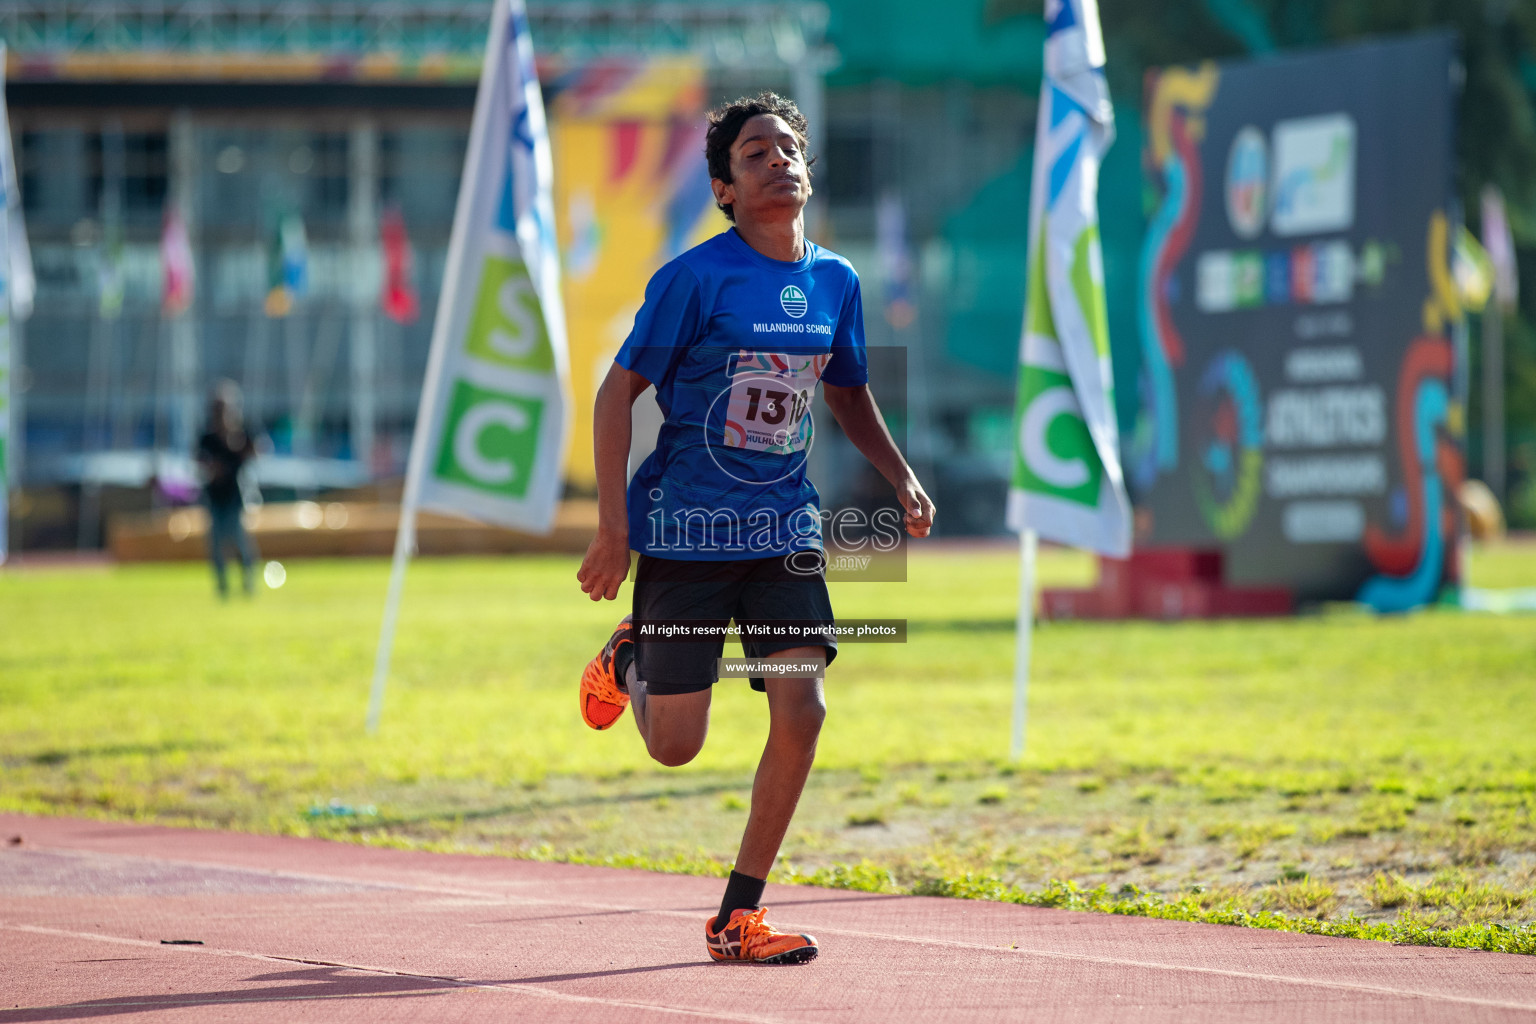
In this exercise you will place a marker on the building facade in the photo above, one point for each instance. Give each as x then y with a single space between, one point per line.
246 117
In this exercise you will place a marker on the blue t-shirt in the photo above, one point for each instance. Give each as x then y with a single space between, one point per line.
736 343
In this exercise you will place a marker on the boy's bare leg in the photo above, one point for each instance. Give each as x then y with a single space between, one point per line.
673 725
796 709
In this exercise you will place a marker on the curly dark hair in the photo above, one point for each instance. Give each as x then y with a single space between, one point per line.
725 125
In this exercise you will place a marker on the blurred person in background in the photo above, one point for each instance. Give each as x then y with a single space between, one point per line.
222 453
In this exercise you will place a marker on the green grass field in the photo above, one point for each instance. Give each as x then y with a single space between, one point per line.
1336 772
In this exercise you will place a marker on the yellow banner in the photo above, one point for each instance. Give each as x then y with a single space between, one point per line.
631 192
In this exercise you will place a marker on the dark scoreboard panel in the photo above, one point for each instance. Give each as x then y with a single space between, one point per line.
1299 407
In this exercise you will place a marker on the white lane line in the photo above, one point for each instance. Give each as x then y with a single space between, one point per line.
1352 986
170 1003
480 895
535 990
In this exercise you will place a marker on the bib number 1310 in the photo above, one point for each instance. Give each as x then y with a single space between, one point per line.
770 401
767 405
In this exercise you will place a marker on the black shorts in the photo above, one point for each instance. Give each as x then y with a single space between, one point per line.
747 590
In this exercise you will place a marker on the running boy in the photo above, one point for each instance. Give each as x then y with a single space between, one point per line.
735 334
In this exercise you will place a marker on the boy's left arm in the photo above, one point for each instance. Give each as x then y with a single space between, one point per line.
855 410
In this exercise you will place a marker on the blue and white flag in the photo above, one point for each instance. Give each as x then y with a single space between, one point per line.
1067 481
495 408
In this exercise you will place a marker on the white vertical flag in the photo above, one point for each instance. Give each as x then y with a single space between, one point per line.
495 404
1067 482
491 429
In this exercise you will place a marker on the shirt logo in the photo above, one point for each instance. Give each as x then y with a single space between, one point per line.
793 301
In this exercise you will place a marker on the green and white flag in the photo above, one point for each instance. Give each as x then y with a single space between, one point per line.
491 428
495 404
1067 482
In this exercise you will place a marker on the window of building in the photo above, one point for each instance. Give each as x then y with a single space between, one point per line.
137 164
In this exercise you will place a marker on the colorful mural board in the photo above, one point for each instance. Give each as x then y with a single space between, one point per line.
1300 402
631 192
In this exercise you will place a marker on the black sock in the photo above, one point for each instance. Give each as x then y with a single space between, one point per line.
622 659
742 892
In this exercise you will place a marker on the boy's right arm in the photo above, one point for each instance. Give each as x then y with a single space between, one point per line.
607 560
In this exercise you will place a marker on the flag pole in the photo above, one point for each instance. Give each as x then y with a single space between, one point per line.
405 540
1064 366
410 497
1024 635
437 356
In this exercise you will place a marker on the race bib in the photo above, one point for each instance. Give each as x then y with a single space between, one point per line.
768 409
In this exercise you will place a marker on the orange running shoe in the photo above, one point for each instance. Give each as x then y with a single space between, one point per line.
750 939
602 702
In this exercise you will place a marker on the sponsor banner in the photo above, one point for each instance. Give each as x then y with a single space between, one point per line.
1067 482
1297 296
632 191
494 424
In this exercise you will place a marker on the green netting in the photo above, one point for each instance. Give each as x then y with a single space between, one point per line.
917 42
986 238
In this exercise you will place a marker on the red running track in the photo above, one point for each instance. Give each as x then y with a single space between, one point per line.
298 930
